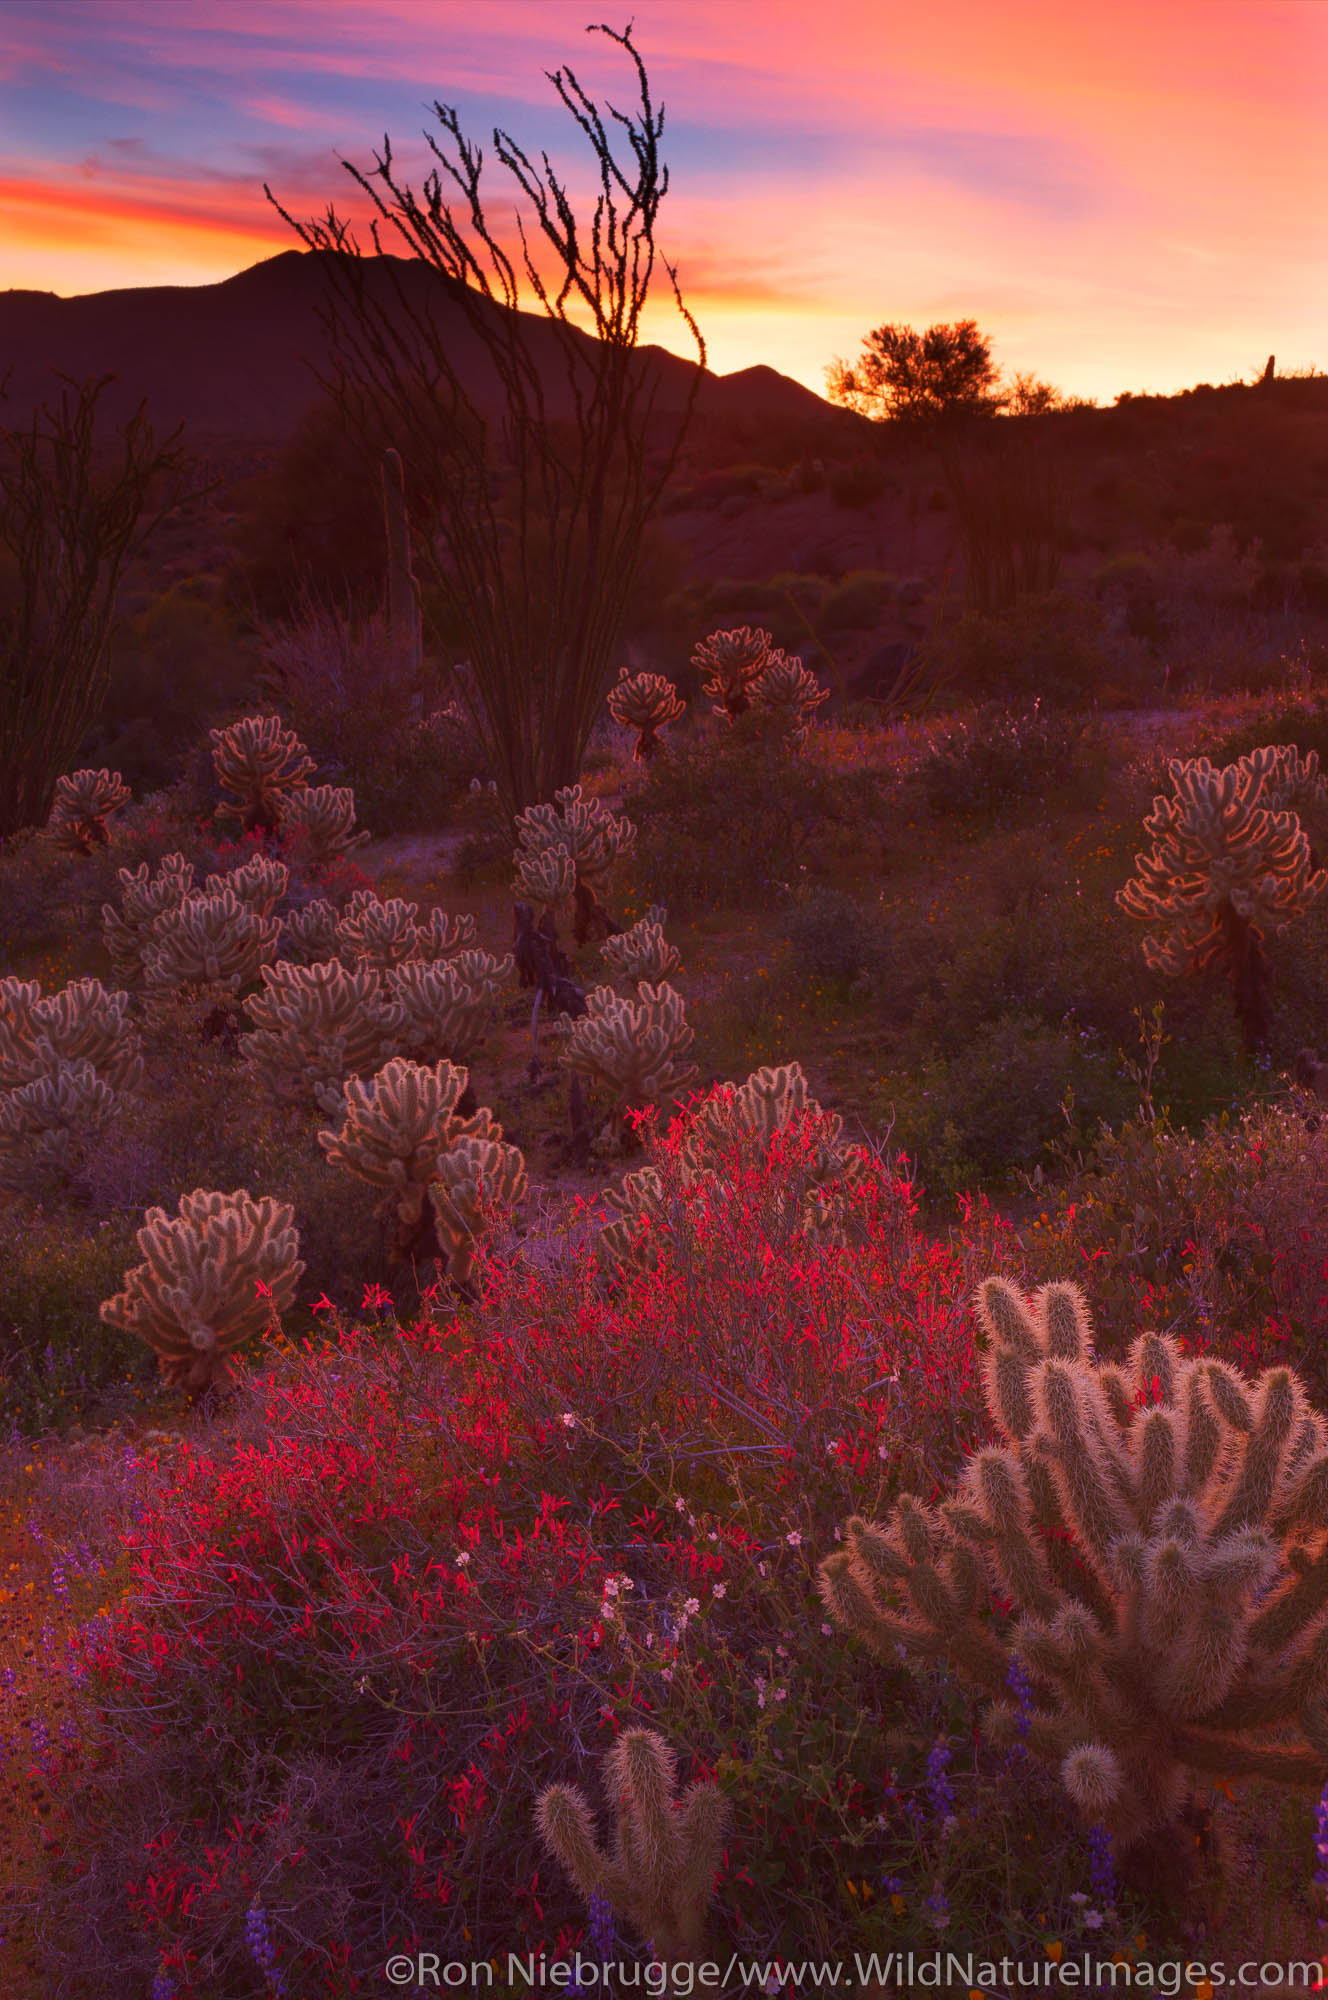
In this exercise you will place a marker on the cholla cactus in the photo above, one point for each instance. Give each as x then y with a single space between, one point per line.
127 931
216 1274
1294 783
731 662
645 702
1224 870
642 953
732 1121
209 941
1161 1528
593 837
394 1128
43 1122
82 1023
447 1005
259 884
634 1046
321 818
309 936
315 1025
660 1874
258 763
785 690
383 934
475 1175
83 803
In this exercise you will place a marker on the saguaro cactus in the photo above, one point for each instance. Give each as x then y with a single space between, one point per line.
659 1874
1162 1530
731 662
644 702
1224 870
258 763
83 803
215 1275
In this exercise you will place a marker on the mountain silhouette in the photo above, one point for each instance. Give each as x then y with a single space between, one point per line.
239 360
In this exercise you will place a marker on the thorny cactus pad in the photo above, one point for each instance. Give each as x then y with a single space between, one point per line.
83 803
144 897
730 662
633 1046
215 1275
786 690
321 818
258 763
642 954
659 1875
1162 1531
1225 869
644 702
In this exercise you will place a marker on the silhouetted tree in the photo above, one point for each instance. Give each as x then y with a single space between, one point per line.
537 515
943 373
73 510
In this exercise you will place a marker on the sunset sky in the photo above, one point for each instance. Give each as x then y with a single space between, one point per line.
1125 194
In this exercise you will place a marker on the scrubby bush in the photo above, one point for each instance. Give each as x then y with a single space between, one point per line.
1054 647
832 938
1005 759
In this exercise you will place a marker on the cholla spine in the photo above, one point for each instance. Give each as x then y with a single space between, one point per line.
644 702
394 1127
476 1175
215 1274
659 1874
446 1005
315 1025
636 1047
257 762
1176 1634
730 662
642 954
1225 868
786 690
82 1023
309 935
574 830
144 897
43 1122
259 884
321 819
209 941
383 934
81 808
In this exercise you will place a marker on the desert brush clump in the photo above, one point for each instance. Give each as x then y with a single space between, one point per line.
144 896
635 1047
258 763
641 954
215 1275
644 702
660 1871
1158 1534
320 819
82 807
730 663
395 1129
1227 866
574 830
382 934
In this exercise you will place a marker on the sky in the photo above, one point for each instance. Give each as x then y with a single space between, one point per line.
1125 194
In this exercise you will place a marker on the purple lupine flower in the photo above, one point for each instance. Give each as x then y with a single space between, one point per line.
1022 1689
60 1585
1321 1839
603 1938
163 1984
937 1908
1101 1873
938 1784
258 1937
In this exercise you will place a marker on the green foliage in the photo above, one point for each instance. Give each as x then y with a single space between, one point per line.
57 1361
1055 647
946 372
1005 760
832 938
858 483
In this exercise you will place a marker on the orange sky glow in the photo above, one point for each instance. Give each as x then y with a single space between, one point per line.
1124 196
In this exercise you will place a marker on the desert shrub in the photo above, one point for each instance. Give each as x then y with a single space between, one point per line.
1004 760
856 602
174 668
1054 647
1131 582
831 937
1300 718
734 818
503 1572
57 1361
857 483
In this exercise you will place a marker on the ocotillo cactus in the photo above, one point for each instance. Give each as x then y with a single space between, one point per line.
1223 871
475 1175
660 1872
320 820
83 803
1162 1530
315 1025
730 662
633 1046
784 689
405 616
642 954
258 763
644 702
216 1274
127 931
